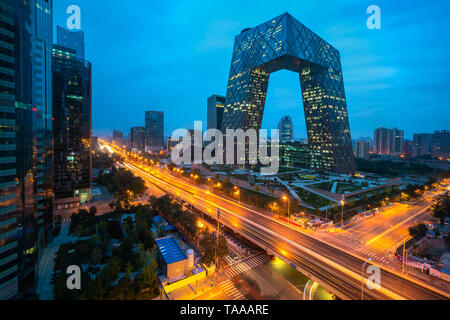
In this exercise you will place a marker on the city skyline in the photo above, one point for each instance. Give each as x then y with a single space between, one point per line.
382 98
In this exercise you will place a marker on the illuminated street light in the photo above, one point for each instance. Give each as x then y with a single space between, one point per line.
286 199
342 211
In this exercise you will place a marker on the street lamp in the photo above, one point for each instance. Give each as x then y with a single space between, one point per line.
286 199
362 278
342 212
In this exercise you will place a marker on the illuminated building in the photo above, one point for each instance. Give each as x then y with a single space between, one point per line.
26 217
216 106
72 40
422 144
286 129
294 154
285 43
137 138
118 138
72 132
154 126
441 145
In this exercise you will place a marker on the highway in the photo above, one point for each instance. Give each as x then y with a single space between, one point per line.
335 269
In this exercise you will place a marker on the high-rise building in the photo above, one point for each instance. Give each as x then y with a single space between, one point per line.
216 106
383 141
422 144
154 127
72 40
137 138
72 132
26 217
285 43
441 145
408 148
294 154
362 149
286 129
398 140
117 138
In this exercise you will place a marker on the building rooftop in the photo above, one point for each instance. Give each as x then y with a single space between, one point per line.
170 250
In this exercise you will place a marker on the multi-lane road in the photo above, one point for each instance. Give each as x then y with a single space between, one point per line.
338 270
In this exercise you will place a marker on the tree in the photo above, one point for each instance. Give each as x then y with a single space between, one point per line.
441 209
418 230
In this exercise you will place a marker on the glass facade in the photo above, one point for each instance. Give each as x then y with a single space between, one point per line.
294 155
71 39
285 43
72 133
216 107
154 126
26 194
137 138
286 129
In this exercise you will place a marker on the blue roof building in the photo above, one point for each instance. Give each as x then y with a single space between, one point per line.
173 260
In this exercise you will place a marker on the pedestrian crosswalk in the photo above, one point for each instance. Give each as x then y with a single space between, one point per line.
231 291
239 267
354 243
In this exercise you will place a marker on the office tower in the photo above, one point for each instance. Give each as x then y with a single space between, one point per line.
216 107
398 140
422 144
154 127
285 43
294 154
72 131
408 148
383 141
362 149
71 40
25 141
137 138
118 138
441 145
286 129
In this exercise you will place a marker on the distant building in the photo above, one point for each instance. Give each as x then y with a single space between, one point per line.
137 138
422 144
388 141
398 140
118 138
408 148
72 40
72 126
362 149
294 155
286 129
154 127
216 107
382 141
441 145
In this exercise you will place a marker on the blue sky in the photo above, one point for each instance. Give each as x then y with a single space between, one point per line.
172 55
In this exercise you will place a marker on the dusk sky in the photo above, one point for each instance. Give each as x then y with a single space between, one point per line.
172 55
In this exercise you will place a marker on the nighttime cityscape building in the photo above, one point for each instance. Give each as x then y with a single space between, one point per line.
362 149
137 138
118 138
422 144
441 144
72 131
285 43
154 130
26 141
294 154
388 141
216 107
71 39
286 129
